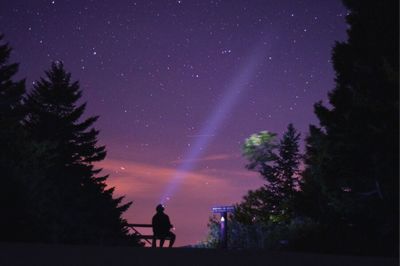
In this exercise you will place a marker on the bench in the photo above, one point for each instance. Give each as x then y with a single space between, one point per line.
147 238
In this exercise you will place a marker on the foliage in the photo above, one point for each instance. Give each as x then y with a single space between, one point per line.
352 174
12 146
239 234
78 207
212 240
271 206
52 191
298 234
278 164
259 150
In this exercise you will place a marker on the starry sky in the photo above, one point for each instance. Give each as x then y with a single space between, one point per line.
179 85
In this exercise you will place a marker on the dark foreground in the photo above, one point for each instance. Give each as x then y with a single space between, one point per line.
37 254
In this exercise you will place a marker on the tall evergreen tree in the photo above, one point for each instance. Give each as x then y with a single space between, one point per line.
278 164
11 92
77 207
11 135
288 166
352 178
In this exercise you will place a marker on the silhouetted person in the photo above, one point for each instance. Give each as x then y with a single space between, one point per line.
161 227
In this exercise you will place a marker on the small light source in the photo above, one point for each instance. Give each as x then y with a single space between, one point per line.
222 219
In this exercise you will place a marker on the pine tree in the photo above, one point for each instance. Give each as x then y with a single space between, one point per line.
260 150
288 165
278 164
77 207
11 92
270 209
353 157
11 147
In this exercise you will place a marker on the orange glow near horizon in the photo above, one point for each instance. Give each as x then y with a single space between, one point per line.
190 207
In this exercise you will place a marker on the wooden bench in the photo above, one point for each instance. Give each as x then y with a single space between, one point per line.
139 235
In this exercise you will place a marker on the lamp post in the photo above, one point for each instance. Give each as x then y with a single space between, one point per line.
223 229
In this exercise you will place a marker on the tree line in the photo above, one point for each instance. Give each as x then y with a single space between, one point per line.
342 195
51 190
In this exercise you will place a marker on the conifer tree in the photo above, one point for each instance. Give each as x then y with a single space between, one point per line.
260 151
278 164
11 146
77 207
288 165
352 178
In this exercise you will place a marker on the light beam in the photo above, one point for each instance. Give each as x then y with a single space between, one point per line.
232 95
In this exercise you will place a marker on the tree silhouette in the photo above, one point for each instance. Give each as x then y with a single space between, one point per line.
11 139
352 177
288 166
260 150
271 205
10 92
76 206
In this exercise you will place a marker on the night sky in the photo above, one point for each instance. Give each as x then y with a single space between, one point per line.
179 85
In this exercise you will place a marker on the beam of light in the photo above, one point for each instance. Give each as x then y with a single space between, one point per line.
232 95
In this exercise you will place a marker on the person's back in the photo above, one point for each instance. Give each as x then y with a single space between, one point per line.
161 224
161 227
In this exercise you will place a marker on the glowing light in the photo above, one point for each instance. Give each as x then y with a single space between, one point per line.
232 95
222 219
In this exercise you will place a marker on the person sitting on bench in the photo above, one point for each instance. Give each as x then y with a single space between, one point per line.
161 227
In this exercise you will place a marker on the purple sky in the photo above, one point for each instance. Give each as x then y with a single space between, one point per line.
159 72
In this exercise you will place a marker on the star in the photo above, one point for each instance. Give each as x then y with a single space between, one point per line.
154 71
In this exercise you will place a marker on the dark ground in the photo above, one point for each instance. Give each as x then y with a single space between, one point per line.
40 254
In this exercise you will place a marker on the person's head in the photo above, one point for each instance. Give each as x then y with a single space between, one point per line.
160 208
